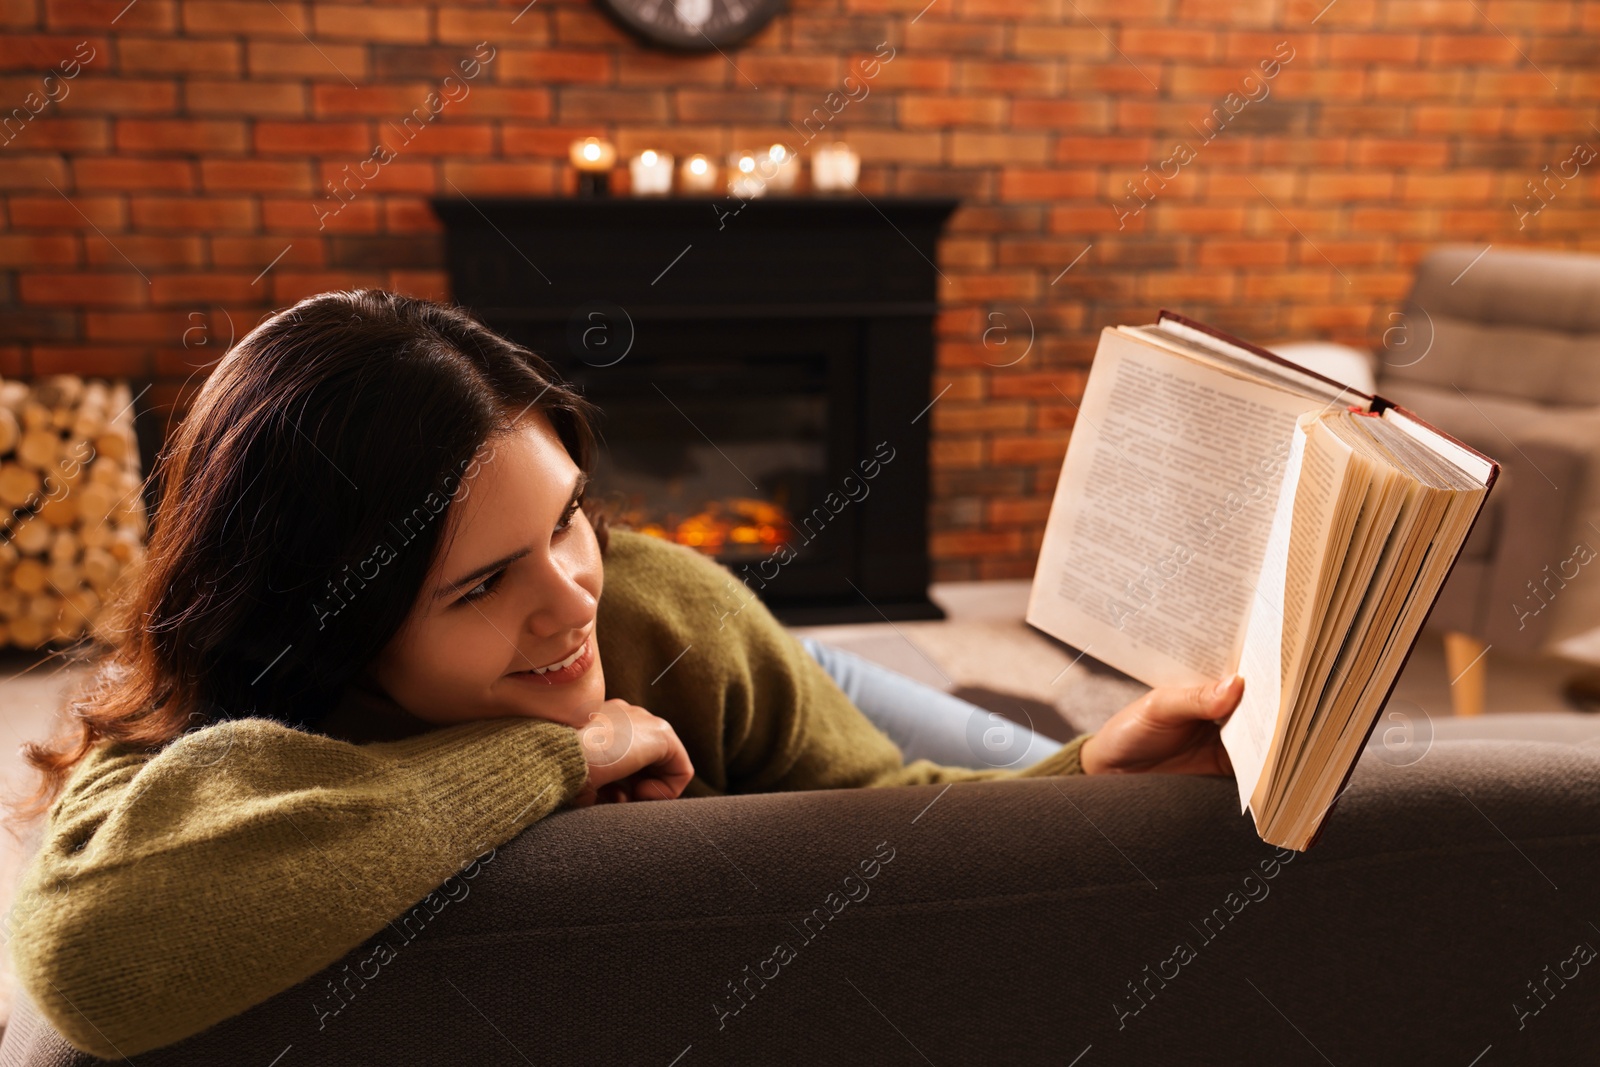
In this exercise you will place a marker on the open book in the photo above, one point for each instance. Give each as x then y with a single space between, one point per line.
1222 509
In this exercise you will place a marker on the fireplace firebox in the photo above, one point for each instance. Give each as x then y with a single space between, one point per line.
764 368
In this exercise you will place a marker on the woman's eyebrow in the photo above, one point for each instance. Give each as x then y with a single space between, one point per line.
578 484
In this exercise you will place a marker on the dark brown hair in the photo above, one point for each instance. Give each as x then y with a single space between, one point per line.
301 504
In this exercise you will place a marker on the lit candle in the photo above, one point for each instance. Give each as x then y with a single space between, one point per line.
834 167
697 175
784 167
744 178
593 159
651 172
593 155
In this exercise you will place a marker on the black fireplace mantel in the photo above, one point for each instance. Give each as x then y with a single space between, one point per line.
847 283
691 257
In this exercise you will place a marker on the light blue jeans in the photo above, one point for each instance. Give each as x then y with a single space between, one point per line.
927 723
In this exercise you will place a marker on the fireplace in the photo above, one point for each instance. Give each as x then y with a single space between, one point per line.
764 368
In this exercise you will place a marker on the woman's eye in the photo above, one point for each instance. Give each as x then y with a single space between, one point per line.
566 518
482 589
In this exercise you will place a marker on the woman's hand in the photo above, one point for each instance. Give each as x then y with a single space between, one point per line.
632 755
1169 730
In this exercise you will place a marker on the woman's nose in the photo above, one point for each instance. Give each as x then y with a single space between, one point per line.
562 601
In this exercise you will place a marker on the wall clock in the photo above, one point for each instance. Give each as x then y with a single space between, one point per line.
692 25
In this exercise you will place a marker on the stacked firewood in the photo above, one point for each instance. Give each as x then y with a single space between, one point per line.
72 515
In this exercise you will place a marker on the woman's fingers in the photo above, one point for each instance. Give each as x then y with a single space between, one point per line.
1178 704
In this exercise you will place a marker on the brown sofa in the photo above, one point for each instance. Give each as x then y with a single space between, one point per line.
1033 922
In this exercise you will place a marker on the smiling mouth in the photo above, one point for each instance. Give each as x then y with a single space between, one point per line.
566 661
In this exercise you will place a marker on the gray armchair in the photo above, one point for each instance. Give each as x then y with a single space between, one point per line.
1502 349
1443 913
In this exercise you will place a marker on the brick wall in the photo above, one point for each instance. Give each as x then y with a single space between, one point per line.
172 185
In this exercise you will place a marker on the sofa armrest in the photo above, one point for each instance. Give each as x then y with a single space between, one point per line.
1016 922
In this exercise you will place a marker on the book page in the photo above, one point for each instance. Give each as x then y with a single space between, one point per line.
1304 551
1247 733
1161 514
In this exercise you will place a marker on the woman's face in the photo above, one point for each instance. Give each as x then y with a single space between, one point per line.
515 588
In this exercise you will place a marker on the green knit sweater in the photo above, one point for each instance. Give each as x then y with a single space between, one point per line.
176 889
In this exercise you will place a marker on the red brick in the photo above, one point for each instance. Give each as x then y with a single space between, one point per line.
329 62
968 148
193 213
202 136
1374 47
314 138
54 211
441 139
1224 252
147 251
954 417
1429 14
211 287
501 25
1350 186
400 176
256 175
155 55
664 68
1175 288
929 36
490 179
1471 48
553 67
1101 218
1060 115
1009 76
158 326
1453 188
256 252
41 52
962 110
339 100
803 72
101 15
1120 78
1350 14
119 96
101 361
255 19
295 216
1400 152
1167 43
402 214
1038 447
36 250
92 135
991 285
121 288
1026 183
251 98
1311 284
1048 385
119 173
394 25
912 72
1483 120
1190 218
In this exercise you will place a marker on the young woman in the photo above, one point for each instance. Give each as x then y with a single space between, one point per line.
376 633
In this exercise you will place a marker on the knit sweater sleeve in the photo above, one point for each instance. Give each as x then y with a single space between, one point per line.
173 890
753 708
